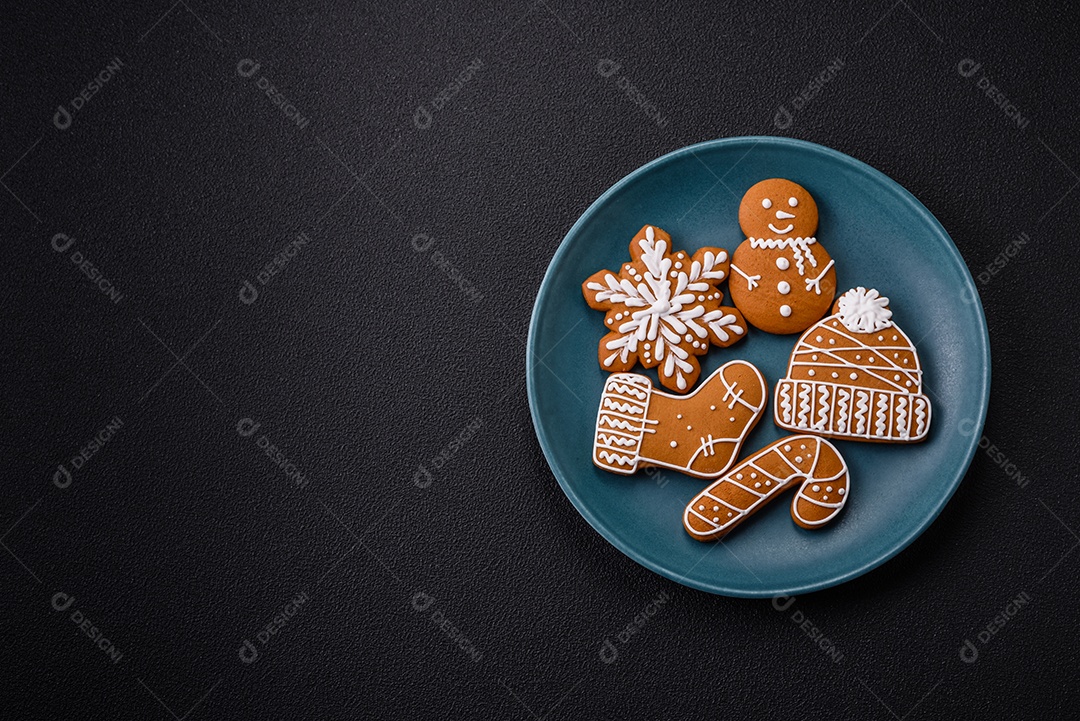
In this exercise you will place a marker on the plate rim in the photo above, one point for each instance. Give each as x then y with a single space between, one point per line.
546 444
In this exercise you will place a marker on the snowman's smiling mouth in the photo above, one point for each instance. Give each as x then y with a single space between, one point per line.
781 231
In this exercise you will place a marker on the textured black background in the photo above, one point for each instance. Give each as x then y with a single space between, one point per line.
362 360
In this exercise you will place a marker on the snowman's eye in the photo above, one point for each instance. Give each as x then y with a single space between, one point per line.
793 201
766 203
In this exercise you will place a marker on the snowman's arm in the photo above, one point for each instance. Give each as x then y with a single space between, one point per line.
751 280
815 283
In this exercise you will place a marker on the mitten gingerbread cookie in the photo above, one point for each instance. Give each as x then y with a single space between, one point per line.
747 487
783 279
699 434
855 375
663 309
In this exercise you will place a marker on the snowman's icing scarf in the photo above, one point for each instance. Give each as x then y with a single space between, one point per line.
799 247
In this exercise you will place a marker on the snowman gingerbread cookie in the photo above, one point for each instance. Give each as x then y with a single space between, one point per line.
782 279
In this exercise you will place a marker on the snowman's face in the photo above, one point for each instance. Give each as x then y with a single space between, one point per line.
778 208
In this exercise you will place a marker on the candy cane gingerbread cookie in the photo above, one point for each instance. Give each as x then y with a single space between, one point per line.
751 484
781 278
699 434
663 309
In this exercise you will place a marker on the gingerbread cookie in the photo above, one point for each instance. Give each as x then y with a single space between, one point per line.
855 375
699 434
783 280
663 309
751 484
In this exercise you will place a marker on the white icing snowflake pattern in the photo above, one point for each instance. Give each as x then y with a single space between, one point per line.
663 309
864 311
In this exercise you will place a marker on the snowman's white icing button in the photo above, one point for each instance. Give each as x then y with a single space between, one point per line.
785 310
783 287
782 263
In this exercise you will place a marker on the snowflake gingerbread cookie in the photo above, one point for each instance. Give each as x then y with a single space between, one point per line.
663 309
783 279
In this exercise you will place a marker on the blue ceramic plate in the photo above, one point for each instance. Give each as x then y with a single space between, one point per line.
881 237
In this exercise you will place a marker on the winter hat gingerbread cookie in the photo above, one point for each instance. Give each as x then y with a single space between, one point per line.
699 434
783 280
855 375
662 309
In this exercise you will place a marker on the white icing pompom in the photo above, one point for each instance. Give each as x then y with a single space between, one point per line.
864 311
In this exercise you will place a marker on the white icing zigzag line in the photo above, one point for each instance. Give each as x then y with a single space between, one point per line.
774 243
804 405
613 440
815 283
785 403
623 407
841 423
860 413
823 411
751 280
622 460
614 386
883 407
799 247
920 417
607 413
901 416
615 422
